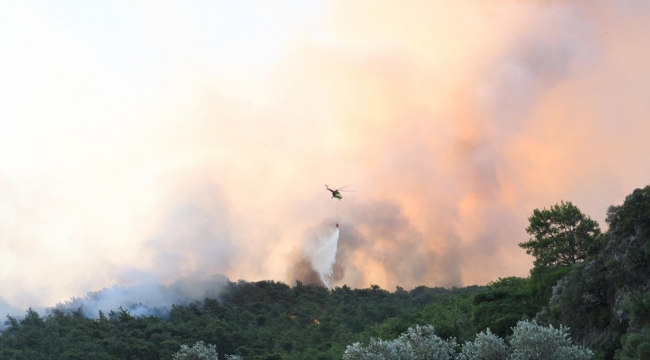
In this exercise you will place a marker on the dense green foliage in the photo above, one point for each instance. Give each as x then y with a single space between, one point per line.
264 319
503 304
597 285
604 299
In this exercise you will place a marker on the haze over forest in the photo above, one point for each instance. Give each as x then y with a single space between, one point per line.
143 144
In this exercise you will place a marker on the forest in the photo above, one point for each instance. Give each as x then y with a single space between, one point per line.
587 296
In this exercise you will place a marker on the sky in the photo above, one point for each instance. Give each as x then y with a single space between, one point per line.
145 143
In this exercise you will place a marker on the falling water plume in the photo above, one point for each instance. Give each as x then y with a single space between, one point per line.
321 251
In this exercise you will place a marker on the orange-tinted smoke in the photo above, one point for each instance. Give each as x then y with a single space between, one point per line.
459 119
451 120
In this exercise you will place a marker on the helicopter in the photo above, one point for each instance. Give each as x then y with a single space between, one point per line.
336 193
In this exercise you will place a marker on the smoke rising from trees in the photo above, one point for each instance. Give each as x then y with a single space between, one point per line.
452 123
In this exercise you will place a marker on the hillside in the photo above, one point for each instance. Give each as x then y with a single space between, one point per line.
595 283
249 319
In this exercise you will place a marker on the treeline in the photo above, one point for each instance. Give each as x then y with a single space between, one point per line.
597 284
250 319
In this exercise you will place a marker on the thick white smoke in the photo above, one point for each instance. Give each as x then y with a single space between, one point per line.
320 249
147 298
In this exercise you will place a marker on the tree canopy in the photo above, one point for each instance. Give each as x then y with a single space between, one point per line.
561 236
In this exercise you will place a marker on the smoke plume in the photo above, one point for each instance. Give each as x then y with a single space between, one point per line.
165 142
314 262
148 298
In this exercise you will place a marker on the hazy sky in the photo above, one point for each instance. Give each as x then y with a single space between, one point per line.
143 142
